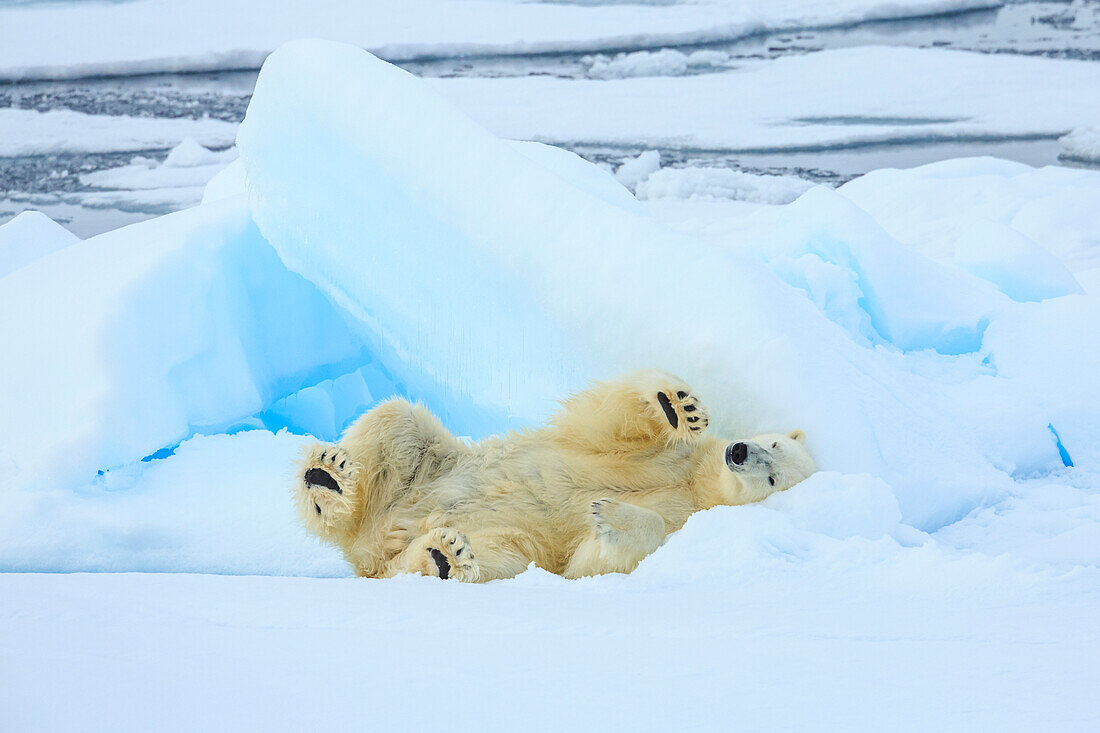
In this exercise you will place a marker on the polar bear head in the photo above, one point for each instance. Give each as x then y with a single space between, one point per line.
769 463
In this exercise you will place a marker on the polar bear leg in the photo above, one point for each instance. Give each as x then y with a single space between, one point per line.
441 553
482 556
623 534
502 553
644 408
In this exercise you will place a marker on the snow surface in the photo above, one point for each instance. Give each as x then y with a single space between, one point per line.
51 41
29 236
722 183
1082 144
636 169
801 102
27 132
912 640
932 330
937 207
665 62
176 183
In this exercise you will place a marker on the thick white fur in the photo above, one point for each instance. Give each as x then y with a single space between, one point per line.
594 491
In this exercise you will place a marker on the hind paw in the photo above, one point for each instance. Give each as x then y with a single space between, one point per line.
449 555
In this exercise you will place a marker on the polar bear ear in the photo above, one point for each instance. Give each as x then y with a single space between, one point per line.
797 435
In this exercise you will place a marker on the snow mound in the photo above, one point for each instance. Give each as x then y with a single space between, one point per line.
181 515
29 236
946 210
391 202
633 171
1082 144
664 62
723 183
176 183
190 154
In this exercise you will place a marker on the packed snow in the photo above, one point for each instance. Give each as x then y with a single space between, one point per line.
797 102
932 330
51 40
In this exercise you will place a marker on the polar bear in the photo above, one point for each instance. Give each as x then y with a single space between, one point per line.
597 489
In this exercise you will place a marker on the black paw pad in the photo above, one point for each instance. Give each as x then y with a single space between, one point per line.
666 405
441 563
317 477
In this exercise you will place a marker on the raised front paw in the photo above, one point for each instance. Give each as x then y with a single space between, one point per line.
449 555
686 415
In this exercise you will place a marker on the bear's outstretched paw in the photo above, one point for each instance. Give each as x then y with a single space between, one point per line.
686 415
449 555
328 467
326 482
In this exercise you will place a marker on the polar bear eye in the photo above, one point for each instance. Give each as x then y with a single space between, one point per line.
775 444
771 480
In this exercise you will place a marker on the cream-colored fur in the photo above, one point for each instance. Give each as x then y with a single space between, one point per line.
619 467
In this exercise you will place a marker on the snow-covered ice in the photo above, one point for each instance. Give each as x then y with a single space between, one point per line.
27 132
863 637
176 183
664 62
931 207
798 102
51 40
1082 144
29 236
190 324
931 329
634 170
721 183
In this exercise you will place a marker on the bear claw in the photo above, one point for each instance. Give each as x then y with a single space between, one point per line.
683 411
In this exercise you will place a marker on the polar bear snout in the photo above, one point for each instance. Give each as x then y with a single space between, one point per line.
318 477
736 453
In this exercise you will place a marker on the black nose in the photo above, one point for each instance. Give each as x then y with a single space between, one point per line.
737 453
